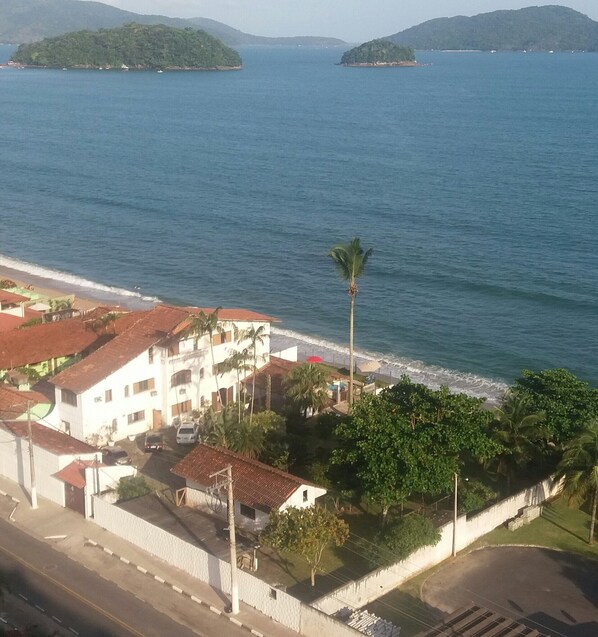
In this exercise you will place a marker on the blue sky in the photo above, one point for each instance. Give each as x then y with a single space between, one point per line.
350 20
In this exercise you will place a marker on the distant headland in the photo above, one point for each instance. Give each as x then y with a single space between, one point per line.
379 53
134 46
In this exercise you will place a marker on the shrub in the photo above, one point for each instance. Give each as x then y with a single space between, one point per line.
474 495
132 487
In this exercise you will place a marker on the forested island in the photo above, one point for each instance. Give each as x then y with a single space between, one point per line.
379 53
133 46
546 28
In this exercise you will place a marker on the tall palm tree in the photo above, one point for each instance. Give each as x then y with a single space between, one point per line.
579 468
256 336
306 387
237 361
350 260
201 324
519 431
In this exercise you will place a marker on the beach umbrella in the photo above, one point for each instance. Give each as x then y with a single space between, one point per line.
314 359
367 367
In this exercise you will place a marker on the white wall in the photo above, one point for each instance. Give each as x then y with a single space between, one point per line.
363 591
101 479
296 500
288 354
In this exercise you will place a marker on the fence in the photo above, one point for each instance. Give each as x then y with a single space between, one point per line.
363 591
272 602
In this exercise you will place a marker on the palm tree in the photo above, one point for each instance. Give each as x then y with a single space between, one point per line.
237 361
579 468
306 387
349 260
201 324
256 336
518 430
241 437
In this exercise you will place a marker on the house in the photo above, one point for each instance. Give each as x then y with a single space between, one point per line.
154 371
16 404
270 391
258 488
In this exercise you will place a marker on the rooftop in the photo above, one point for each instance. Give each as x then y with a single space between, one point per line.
74 473
13 403
53 441
256 484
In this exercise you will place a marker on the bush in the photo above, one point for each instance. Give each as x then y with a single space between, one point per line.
474 495
132 487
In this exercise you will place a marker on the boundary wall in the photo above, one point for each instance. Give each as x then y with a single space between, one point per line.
272 602
358 593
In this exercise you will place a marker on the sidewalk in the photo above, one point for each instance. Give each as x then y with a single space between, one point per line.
71 533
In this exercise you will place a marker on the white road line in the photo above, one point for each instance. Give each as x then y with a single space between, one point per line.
177 589
215 610
59 621
141 569
23 597
159 579
39 608
234 620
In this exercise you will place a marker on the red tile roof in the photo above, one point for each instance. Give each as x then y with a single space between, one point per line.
11 297
74 473
13 403
151 328
55 340
231 314
53 441
255 484
10 322
277 368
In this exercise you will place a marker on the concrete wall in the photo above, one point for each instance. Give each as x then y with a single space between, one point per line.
361 592
272 602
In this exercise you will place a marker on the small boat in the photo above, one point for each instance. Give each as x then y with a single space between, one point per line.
124 67
160 71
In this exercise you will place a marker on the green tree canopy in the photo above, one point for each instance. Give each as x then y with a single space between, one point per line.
378 52
306 388
306 532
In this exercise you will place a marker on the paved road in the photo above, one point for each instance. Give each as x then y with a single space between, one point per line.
553 591
87 604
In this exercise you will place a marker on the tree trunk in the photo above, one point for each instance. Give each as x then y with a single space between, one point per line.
351 349
253 383
219 399
385 510
269 392
313 576
593 520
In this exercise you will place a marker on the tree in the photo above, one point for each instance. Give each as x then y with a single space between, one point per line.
306 387
225 431
255 336
350 260
237 361
306 532
202 324
519 431
57 305
568 402
579 470
131 487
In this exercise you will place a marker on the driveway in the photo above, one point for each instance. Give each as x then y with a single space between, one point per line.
552 591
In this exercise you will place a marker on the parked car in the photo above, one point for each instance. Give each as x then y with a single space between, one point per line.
115 455
153 442
187 433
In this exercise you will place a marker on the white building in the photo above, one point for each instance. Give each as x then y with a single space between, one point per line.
156 370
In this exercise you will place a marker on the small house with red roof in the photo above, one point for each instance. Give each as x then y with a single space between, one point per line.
257 487
154 372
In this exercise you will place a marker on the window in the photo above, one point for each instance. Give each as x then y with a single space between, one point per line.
66 427
305 496
248 512
173 350
126 391
138 416
272 593
201 372
181 408
180 378
69 397
108 396
150 355
222 337
143 385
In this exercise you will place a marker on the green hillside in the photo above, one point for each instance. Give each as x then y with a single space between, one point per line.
24 21
547 28
135 46
378 52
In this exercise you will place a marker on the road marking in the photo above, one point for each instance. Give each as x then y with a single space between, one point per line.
76 595
215 610
177 589
142 570
39 608
236 621
59 621
23 597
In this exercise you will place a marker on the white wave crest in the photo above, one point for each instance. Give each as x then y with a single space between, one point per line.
391 365
71 280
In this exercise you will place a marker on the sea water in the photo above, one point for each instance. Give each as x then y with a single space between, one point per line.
472 177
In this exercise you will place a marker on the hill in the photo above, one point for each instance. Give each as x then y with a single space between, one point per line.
135 46
24 21
547 28
379 53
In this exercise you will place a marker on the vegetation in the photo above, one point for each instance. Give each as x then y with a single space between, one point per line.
134 46
474 495
547 28
31 20
132 487
378 52
306 532
350 260
255 336
579 470
30 323
307 388
202 324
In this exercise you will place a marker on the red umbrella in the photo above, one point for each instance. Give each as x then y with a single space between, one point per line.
314 359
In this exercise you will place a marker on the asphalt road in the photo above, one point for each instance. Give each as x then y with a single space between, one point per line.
85 603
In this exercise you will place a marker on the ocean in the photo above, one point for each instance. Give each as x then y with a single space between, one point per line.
472 177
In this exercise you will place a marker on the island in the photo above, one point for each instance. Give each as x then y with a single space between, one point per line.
377 53
133 46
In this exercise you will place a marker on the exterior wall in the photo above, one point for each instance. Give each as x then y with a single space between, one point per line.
361 592
274 603
101 479
14 465
296 499
288 354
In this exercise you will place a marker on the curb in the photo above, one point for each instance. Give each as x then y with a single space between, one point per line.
176 589
13 499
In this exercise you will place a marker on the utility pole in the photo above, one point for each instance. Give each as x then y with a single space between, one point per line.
456 478
234 587
31 459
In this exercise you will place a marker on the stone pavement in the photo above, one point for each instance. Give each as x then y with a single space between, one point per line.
126 565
